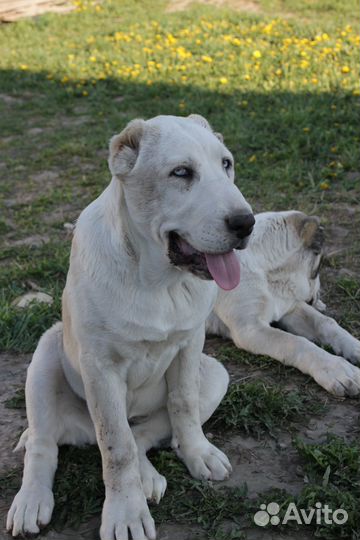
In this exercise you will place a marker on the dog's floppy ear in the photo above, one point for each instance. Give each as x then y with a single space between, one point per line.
204 123
311 232
124 148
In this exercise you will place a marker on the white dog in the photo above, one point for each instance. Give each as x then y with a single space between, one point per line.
125 367
280 284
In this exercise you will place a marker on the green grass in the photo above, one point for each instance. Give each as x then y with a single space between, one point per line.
281 84
17 401
257 407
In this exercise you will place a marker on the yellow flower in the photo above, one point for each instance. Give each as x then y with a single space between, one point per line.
92 58
324 186
314 80
223 80
24 67
85 93
183 53
257 54
345 69
247 77
304 64
306 130
206 59
278 72
171 39
252 159
334 149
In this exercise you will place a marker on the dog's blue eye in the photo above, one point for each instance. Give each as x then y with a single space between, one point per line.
227 164
182 172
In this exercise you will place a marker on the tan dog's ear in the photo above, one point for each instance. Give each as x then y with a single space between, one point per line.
124 148
204 123
310 231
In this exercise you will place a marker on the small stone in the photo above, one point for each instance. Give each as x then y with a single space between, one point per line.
37 240
35 131
26 299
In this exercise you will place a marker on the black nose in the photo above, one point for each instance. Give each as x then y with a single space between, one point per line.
241 224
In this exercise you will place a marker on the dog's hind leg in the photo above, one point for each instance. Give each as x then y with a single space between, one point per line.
306 321
55 415
156 431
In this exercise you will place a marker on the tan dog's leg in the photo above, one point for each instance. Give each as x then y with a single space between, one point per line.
34 503
332 372
56 416
202 458
125 510
156 429
307 321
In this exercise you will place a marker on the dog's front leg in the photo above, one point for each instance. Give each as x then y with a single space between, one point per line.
125 509
332 372
202 458
306 321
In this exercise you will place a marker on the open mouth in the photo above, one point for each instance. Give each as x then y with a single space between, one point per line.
224 268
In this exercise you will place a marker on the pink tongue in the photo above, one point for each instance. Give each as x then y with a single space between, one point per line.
225 269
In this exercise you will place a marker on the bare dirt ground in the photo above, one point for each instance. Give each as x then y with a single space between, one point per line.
241 5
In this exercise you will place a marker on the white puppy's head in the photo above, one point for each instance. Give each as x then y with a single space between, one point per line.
292 244
178 184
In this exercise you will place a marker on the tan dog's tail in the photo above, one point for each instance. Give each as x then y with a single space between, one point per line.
22 441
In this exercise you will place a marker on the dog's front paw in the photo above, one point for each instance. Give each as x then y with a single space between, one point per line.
351 351
206 462
31 510
154 484
338 377
126 516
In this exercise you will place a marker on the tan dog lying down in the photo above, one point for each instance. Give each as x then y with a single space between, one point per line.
280 283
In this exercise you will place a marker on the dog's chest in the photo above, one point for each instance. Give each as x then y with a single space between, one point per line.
150 360
160 317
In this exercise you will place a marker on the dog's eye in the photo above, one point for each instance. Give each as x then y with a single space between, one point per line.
227 164
182 172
